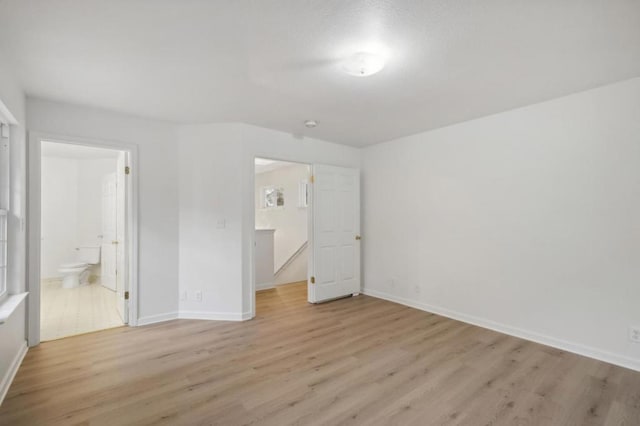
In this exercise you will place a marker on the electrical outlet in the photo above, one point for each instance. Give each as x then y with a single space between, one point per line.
183 295
392 282
634 334
417 289
221 224
198 295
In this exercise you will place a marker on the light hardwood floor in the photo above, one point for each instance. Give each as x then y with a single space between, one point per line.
353 361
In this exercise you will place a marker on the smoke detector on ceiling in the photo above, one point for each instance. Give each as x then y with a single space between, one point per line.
311 124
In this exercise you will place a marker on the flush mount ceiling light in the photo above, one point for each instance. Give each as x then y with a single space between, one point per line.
310 124
363 64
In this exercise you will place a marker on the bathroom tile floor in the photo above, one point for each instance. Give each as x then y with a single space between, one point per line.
68 311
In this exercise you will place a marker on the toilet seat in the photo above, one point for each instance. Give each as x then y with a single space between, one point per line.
72 270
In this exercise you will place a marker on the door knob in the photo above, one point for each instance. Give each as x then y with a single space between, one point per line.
358 237
114 242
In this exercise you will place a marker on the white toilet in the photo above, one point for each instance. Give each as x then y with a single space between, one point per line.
76 273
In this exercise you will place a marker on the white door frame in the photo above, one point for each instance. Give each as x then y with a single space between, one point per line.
34 221
252 237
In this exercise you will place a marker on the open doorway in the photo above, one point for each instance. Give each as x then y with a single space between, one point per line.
83 243
282 218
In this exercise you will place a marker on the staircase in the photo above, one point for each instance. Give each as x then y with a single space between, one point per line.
295 268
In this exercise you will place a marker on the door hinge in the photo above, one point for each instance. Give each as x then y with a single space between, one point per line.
127 170
126 295
313 280
312 179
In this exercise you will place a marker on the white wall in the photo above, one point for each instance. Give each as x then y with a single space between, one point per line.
264 258
216 183
71 208
158 188
290 221
59 232
526 221
210 192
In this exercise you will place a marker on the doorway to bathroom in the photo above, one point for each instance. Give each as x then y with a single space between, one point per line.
83 239
282 221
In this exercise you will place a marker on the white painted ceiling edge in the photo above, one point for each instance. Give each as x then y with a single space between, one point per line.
264 165
62 150
277 64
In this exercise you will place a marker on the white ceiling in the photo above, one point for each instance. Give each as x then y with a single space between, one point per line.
276 63
64 150
263 165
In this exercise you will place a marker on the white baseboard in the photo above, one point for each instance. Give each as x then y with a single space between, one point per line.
199 315
215 316
11 373
152 319
576 348
265 286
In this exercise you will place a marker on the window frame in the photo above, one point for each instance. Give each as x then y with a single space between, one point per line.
5 208
4 252
303 194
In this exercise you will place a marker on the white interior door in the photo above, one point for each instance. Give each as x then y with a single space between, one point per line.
121 232
108 252
335 266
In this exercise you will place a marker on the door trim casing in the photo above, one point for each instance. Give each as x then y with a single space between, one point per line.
33 213
252 237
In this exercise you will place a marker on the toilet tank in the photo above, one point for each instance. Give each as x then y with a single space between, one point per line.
89 254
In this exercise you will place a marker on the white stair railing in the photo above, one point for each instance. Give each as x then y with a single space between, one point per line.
293 257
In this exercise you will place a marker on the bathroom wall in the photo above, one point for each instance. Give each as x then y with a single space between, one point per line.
290 221
71 208
59 214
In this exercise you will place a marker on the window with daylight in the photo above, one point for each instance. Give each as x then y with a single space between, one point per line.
3 252
303 194
4 205
272 197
